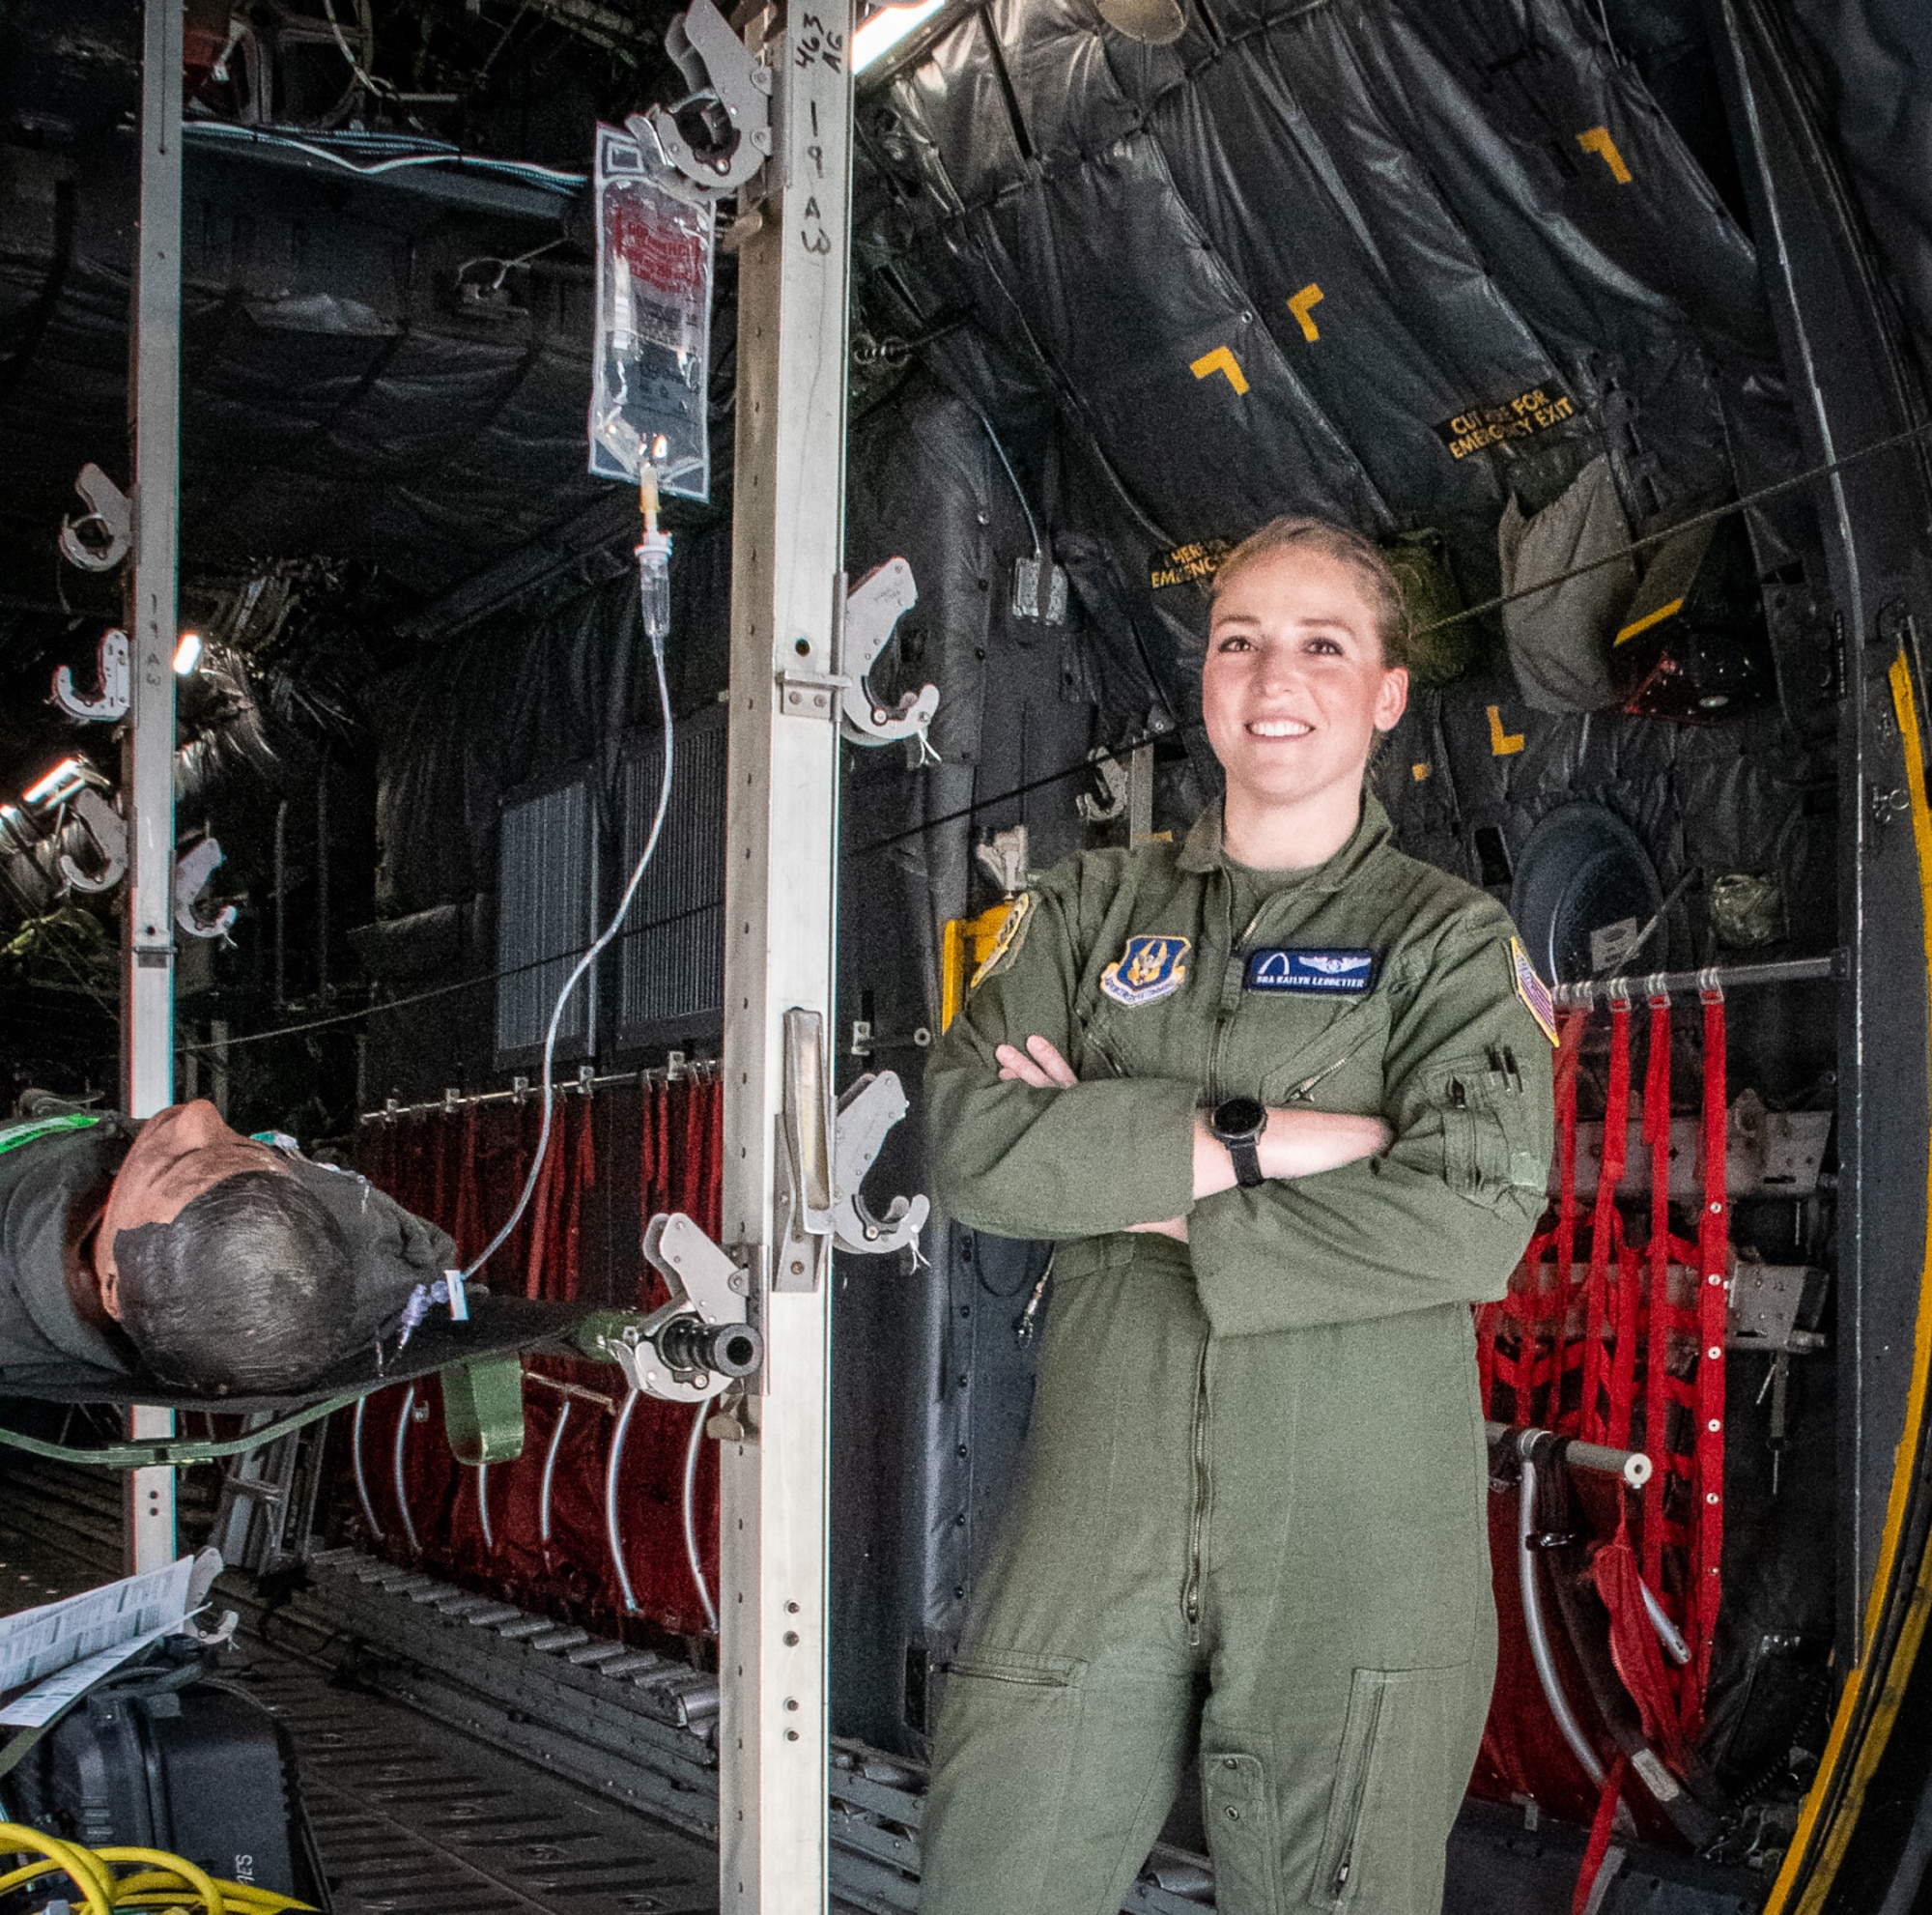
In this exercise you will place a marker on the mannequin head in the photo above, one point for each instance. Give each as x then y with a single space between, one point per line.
227 1274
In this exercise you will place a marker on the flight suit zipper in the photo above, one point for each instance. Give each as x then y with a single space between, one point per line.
1349 1803
1230 995
1197 1517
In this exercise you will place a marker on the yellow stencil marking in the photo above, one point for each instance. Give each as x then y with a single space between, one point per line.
1301 305
1220 360
1418 772
972 944
1651 618
1785 1894
1502 743
1598 140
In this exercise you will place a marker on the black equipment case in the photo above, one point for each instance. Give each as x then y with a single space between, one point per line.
166 1757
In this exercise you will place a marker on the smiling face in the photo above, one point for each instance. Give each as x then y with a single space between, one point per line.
1294 693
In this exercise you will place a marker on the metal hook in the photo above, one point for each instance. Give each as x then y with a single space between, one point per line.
715 64
191 875
866 1113
110 512
873 611
114 697
103 828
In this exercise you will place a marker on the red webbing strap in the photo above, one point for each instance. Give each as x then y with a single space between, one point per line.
1656 1357
518 1143
558 1176
573 1117
711 1104
1713 1268
1600 1837
1604 1225
462 1225
653 1173
582 1179
439 1157
1569 1059
1635 1651
545 1203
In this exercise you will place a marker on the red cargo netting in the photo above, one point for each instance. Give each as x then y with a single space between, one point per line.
536 1531
1626 1348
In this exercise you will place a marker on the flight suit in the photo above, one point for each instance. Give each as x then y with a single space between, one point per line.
1250 1506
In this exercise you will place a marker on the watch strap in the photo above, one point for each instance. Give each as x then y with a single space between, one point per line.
1247 1158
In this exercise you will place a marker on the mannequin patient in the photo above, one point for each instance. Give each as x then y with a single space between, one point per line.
175 1247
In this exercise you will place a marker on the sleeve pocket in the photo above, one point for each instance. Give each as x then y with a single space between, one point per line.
1491 1140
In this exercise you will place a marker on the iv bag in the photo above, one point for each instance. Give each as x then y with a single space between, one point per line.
653 270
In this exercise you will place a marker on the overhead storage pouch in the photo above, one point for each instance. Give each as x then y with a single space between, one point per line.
1560 640
654 267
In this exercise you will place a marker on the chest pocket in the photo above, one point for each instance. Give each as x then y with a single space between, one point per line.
1167 1038
1282 1050
1299 1050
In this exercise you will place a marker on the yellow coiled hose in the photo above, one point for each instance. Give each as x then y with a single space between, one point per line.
160 1881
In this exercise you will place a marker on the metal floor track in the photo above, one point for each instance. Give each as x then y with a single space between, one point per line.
412 1816
462 1759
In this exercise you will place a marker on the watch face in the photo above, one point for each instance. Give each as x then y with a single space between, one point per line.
1238 1117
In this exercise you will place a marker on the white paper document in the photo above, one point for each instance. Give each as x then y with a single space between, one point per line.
89 1631
44 1700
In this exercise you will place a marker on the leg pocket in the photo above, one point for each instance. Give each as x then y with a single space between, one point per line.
1003 1765
1407 1745
1242 1834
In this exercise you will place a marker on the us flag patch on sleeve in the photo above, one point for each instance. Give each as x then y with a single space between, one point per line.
1533 991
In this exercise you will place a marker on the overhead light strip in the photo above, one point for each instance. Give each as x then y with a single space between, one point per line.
886 28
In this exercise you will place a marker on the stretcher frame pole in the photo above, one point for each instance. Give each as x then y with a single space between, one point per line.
788 588
148 753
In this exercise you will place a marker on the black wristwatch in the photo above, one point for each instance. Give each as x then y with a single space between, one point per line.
1238 1122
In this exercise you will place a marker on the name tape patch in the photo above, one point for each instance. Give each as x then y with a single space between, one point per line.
1533 991
1153 966
1312 973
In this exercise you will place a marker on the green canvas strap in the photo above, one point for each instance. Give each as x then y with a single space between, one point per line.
14 1135
483 1409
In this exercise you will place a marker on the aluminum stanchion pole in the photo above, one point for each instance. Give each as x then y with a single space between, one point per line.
148 758
781 820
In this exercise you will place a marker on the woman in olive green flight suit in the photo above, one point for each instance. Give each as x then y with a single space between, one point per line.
1281 1095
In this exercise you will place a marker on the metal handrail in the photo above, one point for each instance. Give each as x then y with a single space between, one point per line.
1723 976
1631 1464
680 1069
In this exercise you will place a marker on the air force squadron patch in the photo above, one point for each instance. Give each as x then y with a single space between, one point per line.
1533 991
1311 973
1151 967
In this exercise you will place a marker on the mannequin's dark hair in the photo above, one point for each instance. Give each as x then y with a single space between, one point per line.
248 1292
1379 584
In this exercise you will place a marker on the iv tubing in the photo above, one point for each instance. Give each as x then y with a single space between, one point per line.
648 497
